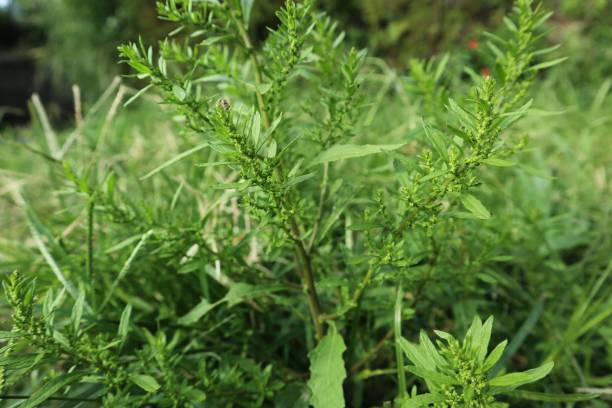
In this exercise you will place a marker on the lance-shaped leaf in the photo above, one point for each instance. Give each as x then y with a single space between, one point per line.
475 207
514 380
51 387
349 151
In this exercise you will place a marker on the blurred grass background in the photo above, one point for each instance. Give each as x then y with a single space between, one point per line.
74 42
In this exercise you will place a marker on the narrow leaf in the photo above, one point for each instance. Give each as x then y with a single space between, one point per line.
137 95
431 375
349 151
247 6
514 380
77 311
240 292
423 400
497 162
7 335
146 382
547 64
174 160
197 312
494 356
474 205
124 323
126 267
51 387
544 396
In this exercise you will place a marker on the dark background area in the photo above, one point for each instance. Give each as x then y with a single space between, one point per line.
48 45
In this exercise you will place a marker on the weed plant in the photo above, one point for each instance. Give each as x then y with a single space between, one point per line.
308 220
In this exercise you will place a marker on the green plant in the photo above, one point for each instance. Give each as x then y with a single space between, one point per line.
462 373
264 274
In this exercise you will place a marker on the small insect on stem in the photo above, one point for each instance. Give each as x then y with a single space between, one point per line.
223 104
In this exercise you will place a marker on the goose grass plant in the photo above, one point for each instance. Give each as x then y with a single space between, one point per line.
294 220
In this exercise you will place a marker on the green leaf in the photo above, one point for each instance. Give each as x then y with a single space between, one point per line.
126 266
508 118
77 311
299 179
435 140
174 160
416 354
423 400
430 350
124 323
7 335
239 292
514 380
179 92
474 205
482 343
473 335
497 162
544 396
247 6
146 382
547 64
137 95
256 128
349 151
20 361
197 312
123 244
327 372
49 388
431 375
494 356
37 234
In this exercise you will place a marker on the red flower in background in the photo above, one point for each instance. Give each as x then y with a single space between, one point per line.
486 71
472 44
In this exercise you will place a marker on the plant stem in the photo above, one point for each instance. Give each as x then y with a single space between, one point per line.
256 69
322 196
308 280
304 261
399 356
90 257
372 352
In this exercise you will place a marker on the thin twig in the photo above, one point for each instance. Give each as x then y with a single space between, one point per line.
256 70
90 248
372 352
322 197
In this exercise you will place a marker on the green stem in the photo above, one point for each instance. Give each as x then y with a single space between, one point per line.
308 280
305 264
90 257
256 69
322 197
399 356
372 352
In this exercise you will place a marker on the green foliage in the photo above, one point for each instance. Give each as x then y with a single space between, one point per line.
327 372
280 228
457 373
81 38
